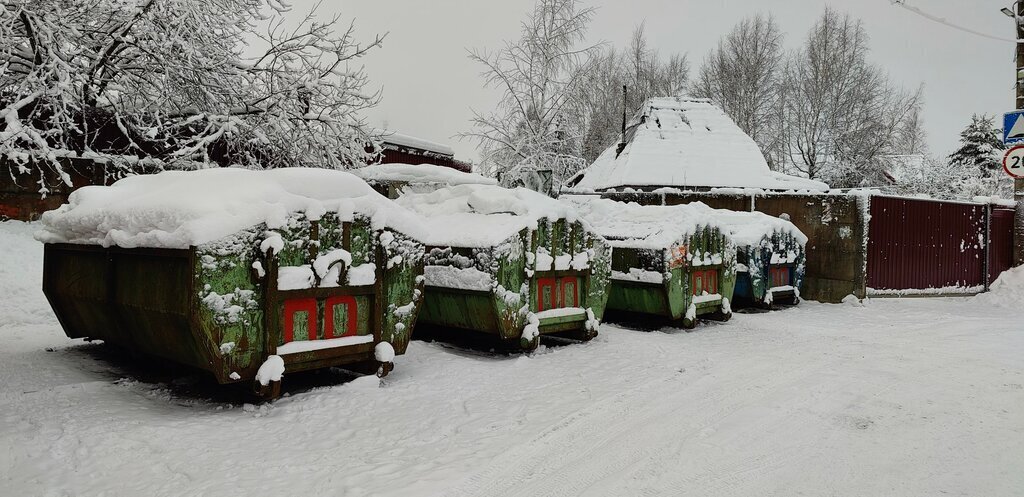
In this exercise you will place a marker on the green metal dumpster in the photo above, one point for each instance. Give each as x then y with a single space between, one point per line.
511 263
770 255
674 262
245 274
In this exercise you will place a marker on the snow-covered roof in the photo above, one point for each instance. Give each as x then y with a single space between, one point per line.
642 226
420 174
481 215
691 143
178 209
409 141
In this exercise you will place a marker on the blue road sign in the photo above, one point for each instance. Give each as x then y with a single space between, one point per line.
1013 127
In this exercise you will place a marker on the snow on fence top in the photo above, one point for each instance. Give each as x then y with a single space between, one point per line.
643 226
749 228
690 143
481 215
178 209
420 174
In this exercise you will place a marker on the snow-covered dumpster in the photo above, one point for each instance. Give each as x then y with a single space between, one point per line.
245 274
674 262
770 256
512 263
392 180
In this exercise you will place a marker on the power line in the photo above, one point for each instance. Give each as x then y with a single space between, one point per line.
943 21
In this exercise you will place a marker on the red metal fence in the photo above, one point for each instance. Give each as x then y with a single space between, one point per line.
916 244
1000 255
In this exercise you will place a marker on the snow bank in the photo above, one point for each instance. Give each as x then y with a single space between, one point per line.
1007 290
178 209
481 215
21 272
679 142
420 174
643 226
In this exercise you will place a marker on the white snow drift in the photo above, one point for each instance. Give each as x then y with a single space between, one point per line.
177 209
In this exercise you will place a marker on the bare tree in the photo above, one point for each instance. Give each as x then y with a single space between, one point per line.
743 77
537 123
181 81
644 73
912 139
840 113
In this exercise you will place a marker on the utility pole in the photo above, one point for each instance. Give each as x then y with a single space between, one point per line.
1018 184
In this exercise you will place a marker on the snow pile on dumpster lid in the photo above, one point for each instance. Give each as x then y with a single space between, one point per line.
749 228
1007 290
423 173
643 226
178 209
481 215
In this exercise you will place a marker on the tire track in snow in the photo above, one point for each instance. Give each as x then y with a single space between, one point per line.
541 466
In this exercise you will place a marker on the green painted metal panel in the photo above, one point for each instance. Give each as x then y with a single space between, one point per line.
505 309
707 248
401 269
208 306
459 309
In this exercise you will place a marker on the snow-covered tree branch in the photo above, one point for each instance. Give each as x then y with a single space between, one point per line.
537 123
216 82
841 114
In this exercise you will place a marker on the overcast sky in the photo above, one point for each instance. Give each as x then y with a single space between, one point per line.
430 86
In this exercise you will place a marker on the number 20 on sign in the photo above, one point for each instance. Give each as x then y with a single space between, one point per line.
1013 162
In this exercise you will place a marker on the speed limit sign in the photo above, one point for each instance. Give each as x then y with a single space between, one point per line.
1013 162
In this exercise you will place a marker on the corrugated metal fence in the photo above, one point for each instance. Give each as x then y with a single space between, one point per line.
916 244
1000 255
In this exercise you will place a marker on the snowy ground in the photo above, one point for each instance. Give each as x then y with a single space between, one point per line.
912 397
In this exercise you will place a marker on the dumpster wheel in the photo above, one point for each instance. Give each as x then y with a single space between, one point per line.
720 316
531 345
687 324
267 392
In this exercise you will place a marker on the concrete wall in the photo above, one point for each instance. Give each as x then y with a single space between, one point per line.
835 225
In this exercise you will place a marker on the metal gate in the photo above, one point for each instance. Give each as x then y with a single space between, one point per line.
929 245
1000 255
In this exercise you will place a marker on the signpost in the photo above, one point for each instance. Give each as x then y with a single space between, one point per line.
1018 183
1013 162
1013 127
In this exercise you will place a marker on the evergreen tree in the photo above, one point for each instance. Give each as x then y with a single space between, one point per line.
980 146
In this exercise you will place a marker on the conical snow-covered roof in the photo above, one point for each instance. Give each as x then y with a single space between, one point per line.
686 143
